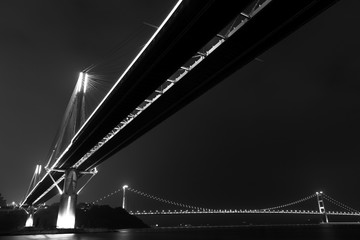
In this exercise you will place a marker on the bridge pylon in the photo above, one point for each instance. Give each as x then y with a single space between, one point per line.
30 217
30 212
80 101
321 205
67 207
123 199
68 196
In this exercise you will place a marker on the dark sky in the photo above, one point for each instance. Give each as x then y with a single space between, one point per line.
275 131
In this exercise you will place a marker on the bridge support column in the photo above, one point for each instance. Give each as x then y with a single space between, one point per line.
322 206
67 207
124 200
30 217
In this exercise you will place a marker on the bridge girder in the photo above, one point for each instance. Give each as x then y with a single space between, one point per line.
191 26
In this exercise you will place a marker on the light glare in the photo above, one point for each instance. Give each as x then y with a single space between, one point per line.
79 82
86 82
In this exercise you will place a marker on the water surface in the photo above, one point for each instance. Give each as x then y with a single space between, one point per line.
291 232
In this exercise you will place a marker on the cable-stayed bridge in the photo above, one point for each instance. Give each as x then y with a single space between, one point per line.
318 200
198 45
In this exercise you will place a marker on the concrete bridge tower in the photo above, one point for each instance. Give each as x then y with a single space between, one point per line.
124 200
322 206
67 207
68 199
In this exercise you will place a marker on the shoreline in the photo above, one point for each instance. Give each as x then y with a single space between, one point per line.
37 231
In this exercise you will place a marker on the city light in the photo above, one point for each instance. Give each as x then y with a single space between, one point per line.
79 82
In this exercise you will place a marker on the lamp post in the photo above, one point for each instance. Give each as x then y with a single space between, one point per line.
123 201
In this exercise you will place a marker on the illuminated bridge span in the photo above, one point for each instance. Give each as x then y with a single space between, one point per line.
235 211
281 209
199 44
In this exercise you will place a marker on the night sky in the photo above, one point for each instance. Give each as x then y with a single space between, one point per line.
279 129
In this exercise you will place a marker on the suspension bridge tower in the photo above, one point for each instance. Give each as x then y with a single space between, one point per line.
67 207
123 199
321 205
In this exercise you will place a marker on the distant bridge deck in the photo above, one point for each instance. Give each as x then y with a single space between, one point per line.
192 212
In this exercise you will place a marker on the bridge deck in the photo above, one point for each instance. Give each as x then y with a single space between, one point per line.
190 27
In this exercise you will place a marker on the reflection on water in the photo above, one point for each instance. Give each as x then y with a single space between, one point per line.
291 232
44 236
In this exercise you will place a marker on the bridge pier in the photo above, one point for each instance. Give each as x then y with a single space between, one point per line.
30 217
124 200
322 206
67 207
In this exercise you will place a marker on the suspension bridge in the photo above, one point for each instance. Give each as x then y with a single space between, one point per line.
193 49
186 209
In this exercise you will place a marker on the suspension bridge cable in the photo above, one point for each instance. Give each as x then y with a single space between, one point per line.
290 204
116 49
59 137
31 185
152 197
339 204
106 196
165 200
